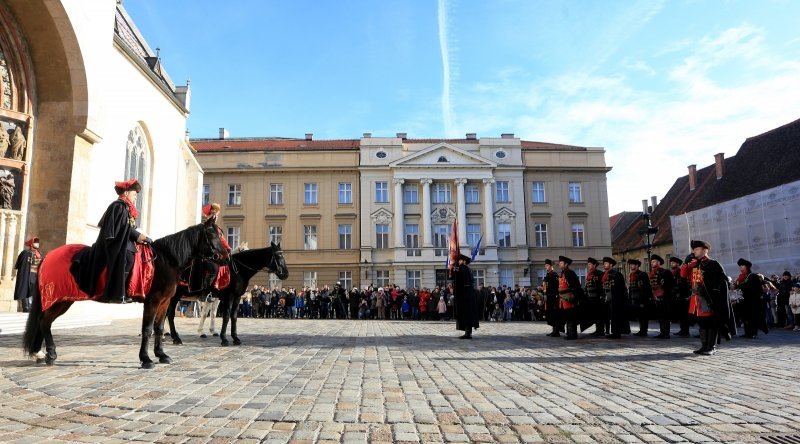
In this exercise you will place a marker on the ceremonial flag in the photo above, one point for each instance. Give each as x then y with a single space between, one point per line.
476 249
452 257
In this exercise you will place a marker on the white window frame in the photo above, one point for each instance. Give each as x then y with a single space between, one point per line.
472 194
441 239
276 194
235 194
345 236
540 234
578 234
275 233
310 239
538 194
506 276
381 278
575 192
346 279
412 240
206 194
441 193
473 236
502 240
413 279
410 194
479 276
310 279
501 191
381 236
233 235
382 192
310 194
345 193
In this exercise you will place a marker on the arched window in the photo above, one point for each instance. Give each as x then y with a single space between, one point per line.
137 162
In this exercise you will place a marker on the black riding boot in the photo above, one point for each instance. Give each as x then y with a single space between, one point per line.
703 339
572 330
711 342
467 334
665 327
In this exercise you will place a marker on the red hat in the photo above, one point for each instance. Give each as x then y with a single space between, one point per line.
29 242
130 185
208 208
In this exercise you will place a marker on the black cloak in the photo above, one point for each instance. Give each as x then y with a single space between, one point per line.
22 288
116 236
465 305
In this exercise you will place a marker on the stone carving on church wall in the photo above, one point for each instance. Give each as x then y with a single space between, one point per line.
12 140
8 189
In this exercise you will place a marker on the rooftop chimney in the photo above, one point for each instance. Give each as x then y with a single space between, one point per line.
692 177
654 201
507 136
309 136
223 134
719 160
402 135
367 135
472 136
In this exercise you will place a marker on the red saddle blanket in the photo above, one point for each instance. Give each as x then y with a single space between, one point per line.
57 284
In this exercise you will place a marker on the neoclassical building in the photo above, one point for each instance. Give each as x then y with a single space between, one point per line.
84 102
381 209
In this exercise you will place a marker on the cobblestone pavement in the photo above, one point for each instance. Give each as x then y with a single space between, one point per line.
394 381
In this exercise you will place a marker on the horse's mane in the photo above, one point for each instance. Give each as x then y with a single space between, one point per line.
179 246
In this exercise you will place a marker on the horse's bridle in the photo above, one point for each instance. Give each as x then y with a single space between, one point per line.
215 256
273 264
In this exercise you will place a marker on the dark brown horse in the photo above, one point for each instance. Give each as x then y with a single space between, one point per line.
172 254
244 266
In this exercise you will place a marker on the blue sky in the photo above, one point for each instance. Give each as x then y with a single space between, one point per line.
659 84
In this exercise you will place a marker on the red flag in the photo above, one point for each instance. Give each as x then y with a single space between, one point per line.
454 249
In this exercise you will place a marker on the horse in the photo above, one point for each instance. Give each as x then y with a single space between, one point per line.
244 266
171 254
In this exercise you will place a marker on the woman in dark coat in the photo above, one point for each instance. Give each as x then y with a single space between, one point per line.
466 300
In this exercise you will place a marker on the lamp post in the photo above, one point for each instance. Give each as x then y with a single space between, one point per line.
649 231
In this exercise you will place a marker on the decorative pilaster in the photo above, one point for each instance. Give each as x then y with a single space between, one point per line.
8 260
462 211
399 217
427 229
488 211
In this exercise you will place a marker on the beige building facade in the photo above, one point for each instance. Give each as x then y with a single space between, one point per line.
521 202
86 102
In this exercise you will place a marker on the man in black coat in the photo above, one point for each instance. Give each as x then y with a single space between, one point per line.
595 297
570 294
354 299
551 308
616 299
640 294
27 267
661 284
709 302
465 304
750 284
680 297
114 249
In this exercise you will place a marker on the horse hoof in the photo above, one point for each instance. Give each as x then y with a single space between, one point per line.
39 360
49 361
224 343
177 342
148 365
237 342
165 360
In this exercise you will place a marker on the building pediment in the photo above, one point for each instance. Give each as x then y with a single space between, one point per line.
443 155
504 215
381 216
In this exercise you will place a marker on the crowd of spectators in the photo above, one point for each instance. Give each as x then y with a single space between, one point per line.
390 302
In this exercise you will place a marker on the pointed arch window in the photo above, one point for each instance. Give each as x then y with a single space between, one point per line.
137 164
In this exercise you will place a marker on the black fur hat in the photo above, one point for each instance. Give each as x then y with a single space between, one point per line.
610 260
565 260
658 258
745 262
699 243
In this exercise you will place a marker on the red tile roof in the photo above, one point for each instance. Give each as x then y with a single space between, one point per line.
763 162
261 144
549 146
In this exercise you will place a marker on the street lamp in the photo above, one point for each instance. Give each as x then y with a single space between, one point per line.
649 231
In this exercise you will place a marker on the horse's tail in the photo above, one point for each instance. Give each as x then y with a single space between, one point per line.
32 338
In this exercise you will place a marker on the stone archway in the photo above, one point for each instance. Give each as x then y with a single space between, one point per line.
51 105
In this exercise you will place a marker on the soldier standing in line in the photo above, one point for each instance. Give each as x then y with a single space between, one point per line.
552 312
616 299
752 299
595 297
709 301
661 283
680 297
570 294
641 295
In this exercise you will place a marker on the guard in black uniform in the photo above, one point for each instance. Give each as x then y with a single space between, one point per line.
616 299
752 303
595 297
680 297
641 296
661 283
551 308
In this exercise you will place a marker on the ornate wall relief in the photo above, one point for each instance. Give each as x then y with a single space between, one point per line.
443 216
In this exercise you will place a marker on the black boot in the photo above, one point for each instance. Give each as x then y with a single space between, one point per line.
703 344
467 334
711 342
572 331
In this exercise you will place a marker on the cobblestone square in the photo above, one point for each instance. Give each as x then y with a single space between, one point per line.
395 381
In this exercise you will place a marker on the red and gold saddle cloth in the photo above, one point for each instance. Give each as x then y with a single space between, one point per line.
57 284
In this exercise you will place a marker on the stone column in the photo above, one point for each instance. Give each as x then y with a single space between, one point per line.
9 251
488 211
427 229
461 213
399 218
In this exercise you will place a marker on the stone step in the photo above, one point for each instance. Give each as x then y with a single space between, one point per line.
14 323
